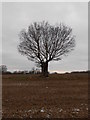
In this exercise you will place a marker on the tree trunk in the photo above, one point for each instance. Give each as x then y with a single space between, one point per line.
44 67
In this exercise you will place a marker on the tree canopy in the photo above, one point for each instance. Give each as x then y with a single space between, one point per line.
43 42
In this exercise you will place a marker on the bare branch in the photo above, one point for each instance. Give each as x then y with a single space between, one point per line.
43 42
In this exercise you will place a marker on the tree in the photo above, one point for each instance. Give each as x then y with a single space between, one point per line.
3 69
43 42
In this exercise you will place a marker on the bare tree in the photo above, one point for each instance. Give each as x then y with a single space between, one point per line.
43 42
3 69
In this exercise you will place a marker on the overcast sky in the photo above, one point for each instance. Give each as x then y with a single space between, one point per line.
16 16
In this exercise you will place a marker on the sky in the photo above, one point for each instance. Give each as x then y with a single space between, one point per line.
18 15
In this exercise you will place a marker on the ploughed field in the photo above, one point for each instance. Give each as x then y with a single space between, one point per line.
33 96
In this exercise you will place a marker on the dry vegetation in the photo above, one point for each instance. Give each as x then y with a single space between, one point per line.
58 96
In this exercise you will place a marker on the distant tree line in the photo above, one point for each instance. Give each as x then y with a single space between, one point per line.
88 71
33 71
4 70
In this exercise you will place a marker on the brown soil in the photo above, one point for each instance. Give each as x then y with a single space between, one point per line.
58 96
